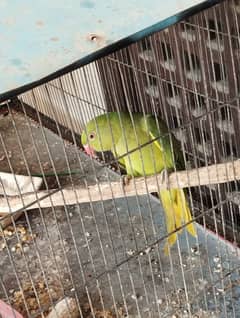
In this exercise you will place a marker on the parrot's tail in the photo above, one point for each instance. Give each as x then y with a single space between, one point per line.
177 214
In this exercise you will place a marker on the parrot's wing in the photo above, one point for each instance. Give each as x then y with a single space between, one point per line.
165 141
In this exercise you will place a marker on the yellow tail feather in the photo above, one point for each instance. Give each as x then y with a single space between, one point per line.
177 213
183 205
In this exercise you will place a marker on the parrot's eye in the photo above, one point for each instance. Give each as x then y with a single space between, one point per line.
91 136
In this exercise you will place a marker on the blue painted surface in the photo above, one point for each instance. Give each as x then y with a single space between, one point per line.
41 37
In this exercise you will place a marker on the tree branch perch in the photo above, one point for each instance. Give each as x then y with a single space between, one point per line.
214 174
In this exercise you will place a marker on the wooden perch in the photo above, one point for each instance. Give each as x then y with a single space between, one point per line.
214 174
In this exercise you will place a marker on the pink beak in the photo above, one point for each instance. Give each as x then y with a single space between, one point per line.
90 151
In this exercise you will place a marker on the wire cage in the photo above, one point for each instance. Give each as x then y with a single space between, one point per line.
70 242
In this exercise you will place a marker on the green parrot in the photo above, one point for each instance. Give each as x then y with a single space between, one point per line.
122 132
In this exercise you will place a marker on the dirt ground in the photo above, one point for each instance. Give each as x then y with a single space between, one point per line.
87 251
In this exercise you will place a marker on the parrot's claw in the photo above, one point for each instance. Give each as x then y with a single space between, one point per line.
164 178
125 179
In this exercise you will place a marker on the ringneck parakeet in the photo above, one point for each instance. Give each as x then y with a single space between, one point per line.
121 132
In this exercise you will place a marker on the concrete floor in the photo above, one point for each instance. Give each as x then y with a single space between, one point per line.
76 244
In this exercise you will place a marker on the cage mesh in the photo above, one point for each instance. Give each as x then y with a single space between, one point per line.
104 257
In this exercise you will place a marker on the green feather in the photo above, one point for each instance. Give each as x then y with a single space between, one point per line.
145 147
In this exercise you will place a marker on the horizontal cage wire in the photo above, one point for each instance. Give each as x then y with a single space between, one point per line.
108 171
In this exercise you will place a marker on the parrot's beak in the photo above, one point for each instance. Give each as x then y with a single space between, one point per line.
90 151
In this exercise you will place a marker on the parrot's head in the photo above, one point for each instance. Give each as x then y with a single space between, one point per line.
97 136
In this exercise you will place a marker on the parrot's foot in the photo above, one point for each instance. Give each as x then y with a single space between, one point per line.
125 179
164 178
